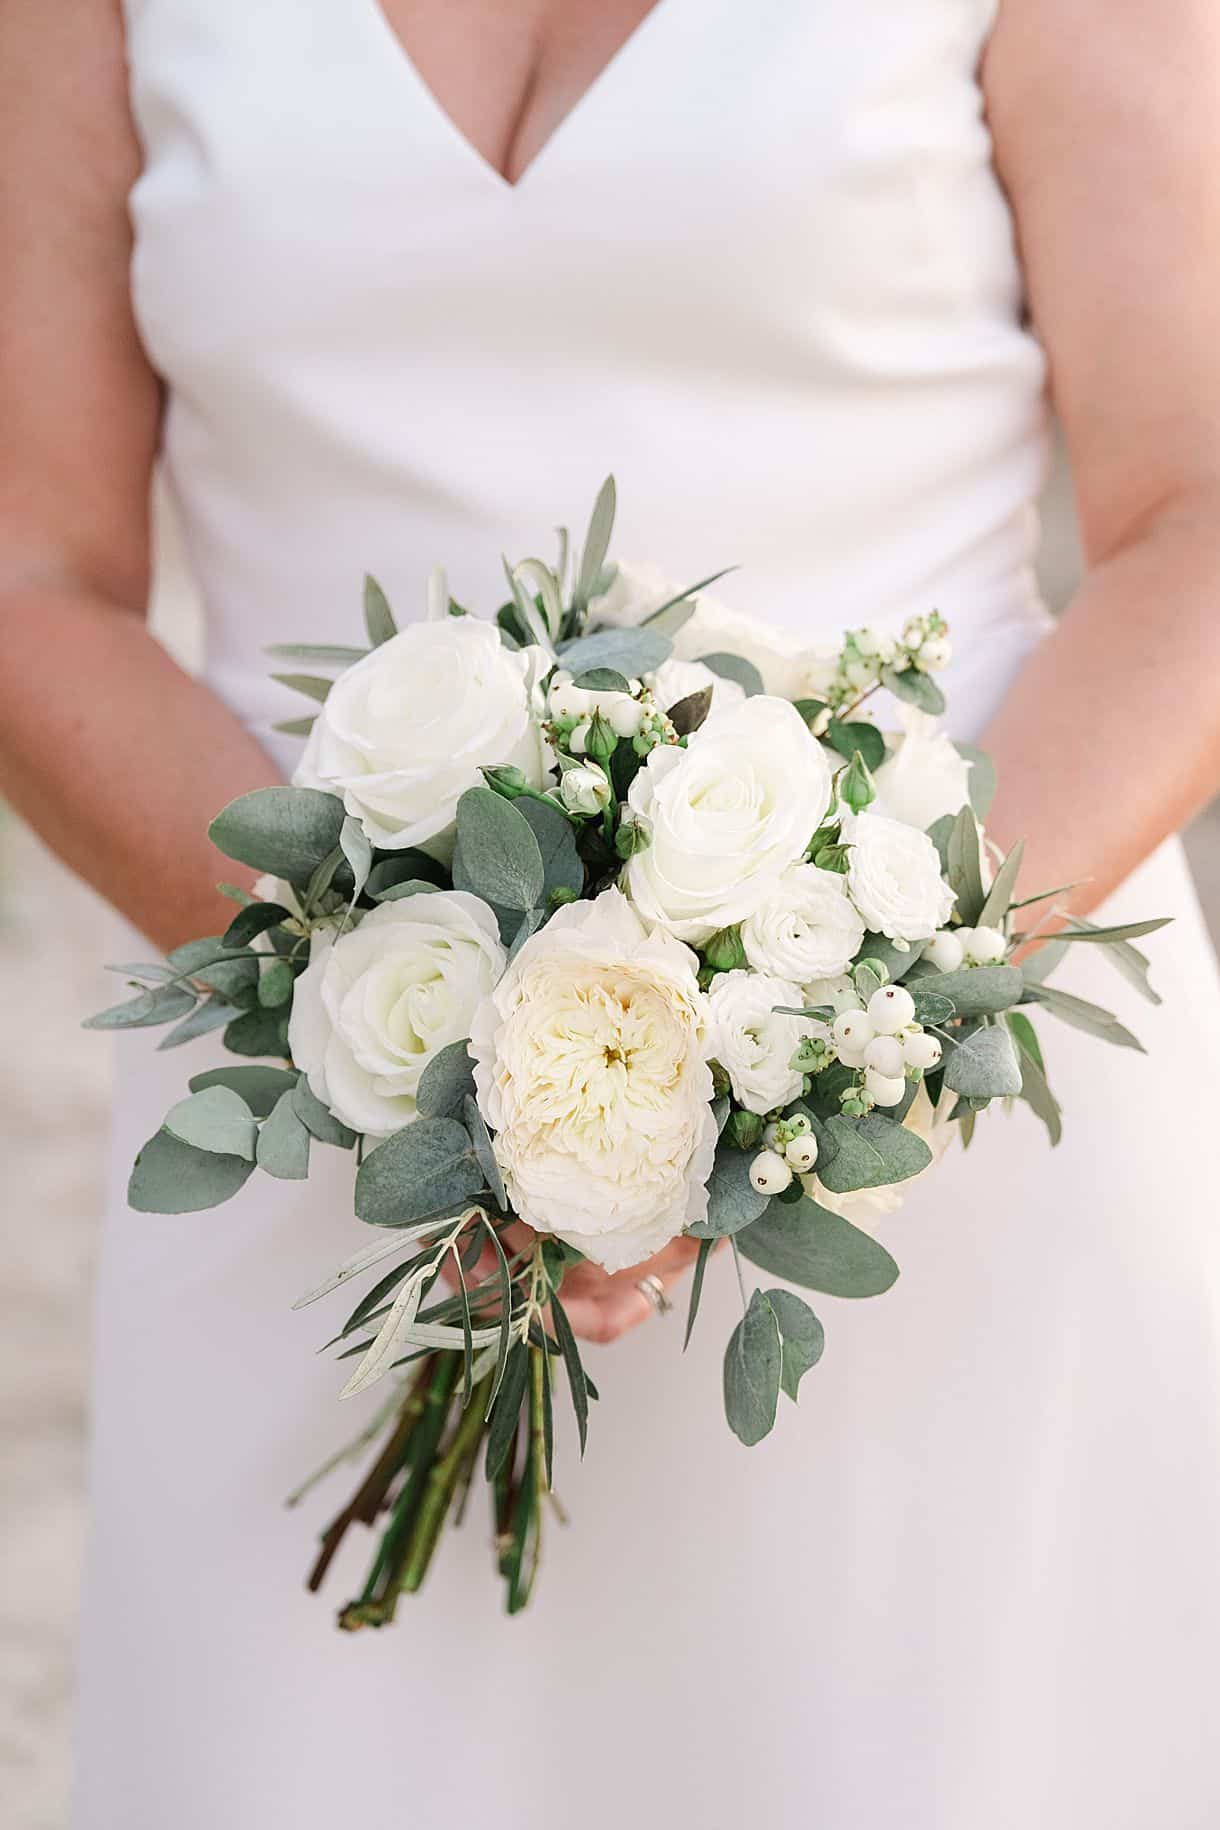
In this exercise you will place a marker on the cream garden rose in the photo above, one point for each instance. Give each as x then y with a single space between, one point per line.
405 731
591 1070
375 1005
753 1043
727 816
924 776
808 930
894 879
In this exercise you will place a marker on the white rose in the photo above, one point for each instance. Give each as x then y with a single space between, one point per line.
727 815
894 879
924 777
637 591
405 730
591 1070
752 1043
675 680
808 929
374 1006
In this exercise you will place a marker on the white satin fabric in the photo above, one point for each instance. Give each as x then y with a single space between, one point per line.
764 271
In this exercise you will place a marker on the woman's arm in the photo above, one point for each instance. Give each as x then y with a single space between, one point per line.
1104 115
108 748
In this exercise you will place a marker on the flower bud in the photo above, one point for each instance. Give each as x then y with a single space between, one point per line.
586 790
509 782
724 951
744 1129
602 740
769 1173
632 837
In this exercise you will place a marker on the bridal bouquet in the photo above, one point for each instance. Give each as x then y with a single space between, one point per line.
618 916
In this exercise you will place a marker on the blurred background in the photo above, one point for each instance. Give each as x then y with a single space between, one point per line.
53 1102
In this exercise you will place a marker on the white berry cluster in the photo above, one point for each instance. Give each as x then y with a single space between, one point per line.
886 1045
586 723
789 1149
953 948
841 676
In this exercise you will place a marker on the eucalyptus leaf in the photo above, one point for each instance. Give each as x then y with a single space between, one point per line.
602 680
498 856
259 1032
916 688
208 1015
630 652
856 734
170 1177
378 617
732 1199
446 1082
871 1152
896 960
984 1066
932 1007
808 1245
321 1124
258 1087
976 991
561 865
427 1166
216 1119
485 1155
275 984
283 1143
286 831
735 667
252 921
752 1369
802 1335
407 866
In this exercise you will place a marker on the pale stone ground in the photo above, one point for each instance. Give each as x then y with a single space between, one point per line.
53 1101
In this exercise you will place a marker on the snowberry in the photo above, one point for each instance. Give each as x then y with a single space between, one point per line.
922 1051
802 1154
626 716
884 1089
890 1009
885 1054
936 652
799 1125
852 1029
771 1136
769 1174
578 742
945 951
983 946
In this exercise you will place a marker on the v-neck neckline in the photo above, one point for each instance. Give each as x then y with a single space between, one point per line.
405 66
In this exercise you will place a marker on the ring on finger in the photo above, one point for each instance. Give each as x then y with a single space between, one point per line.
653 1288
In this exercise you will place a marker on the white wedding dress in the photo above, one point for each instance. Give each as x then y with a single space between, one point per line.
765 273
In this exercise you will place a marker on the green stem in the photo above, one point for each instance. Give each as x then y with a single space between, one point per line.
442 1481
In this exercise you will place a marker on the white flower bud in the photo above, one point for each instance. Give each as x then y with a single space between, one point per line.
945 951
983 946
852 1029
890 1009
802 1154
625 716
769 1173
586 790
885 1054
578 742
922 1051
884 1089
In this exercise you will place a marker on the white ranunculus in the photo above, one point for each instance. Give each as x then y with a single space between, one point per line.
727 815
752 1043
807 929
675 680
638 590
405 731
374 1006
894 879
591 1070
924 776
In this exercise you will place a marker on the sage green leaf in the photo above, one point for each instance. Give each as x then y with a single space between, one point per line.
575 1370
295 727
485 1155
976 991
1035 1088
162 1004
808 1245
932 1007
732 1200
561 865
871 1152
275 984
1080 1014
368 1256
696 1288
597 544
255 919
322 654
690 714
856 734
259 1087
630 652
412 886
984 1066
354 844
1107 937
1039 966
896 960
286 831
1130 962
498 856
209 1014
507 1408
939 832
170 1177
283 1143
981 782
752 1368
446 1082
217 1119
602 680
390 1338
801 1334
676 612
313 686
259 1032
965 873
378 617
321 1124
427 1166
995 906
735 667
915 687
408 866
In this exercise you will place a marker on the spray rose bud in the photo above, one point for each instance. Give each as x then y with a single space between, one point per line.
511 783
602 740
724 951
631 837
586 790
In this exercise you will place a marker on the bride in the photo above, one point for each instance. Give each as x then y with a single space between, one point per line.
383 285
